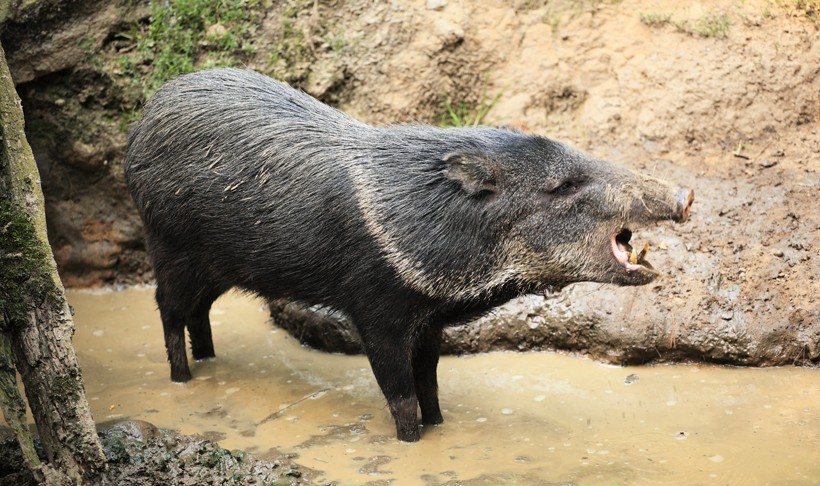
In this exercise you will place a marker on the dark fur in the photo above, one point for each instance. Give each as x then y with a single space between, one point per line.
244 182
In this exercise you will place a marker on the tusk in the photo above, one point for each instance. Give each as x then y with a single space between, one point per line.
643 252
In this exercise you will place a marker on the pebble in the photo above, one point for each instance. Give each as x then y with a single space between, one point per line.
766 163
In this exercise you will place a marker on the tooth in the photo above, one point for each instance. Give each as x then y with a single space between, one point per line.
643 252
633 257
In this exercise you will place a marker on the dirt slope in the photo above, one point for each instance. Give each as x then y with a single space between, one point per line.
734 117
720 96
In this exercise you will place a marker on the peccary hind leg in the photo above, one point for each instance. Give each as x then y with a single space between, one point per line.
184 297
173 325
182 306
425 362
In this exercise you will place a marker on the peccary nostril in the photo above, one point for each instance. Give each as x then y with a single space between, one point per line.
684 198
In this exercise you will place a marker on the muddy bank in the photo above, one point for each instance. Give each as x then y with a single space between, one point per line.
588 319
138 453
509 417
699 94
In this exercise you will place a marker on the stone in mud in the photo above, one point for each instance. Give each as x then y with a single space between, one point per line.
244 182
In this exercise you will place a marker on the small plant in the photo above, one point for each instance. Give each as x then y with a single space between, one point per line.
807 8
713 26
655 19
294 43
183 34
338 43
709 26
466 115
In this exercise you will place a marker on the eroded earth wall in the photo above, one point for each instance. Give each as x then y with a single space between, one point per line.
720 96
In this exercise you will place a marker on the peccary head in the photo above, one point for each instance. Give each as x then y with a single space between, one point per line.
529 213
577 214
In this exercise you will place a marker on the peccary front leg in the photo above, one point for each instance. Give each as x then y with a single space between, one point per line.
199 331
425 362
390 359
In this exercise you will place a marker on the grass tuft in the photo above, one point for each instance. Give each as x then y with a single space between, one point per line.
184 35
806 8
712 25
465 114
655 19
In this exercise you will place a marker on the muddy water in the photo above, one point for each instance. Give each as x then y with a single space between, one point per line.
522 418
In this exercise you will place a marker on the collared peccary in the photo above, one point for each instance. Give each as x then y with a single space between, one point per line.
244 182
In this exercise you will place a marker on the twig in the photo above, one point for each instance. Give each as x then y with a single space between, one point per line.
673 335
310 26
628 309
737 153
764 149
275 415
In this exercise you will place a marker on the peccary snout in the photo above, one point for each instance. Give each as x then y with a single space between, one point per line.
244 182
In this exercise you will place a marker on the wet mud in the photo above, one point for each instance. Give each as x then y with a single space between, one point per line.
528 418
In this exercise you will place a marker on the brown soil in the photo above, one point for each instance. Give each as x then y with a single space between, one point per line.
735 118
730 112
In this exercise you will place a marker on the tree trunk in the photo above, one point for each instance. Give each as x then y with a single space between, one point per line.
14 408
36 318
7 8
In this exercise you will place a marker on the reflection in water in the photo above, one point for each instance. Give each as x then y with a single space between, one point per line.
527 418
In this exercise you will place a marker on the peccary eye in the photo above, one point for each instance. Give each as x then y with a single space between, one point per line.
565 188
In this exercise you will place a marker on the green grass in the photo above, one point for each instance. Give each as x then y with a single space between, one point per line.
178 37
655 19
292 53
711 25
464 114
184 35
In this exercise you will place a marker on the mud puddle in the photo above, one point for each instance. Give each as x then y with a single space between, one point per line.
528 418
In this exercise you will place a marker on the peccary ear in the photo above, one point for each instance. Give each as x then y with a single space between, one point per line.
475 174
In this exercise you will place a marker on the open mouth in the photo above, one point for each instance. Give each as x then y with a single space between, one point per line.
626 255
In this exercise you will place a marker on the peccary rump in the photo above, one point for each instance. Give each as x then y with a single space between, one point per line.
244 182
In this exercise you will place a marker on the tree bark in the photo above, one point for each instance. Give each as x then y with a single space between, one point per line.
7 8
14 408
36 318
